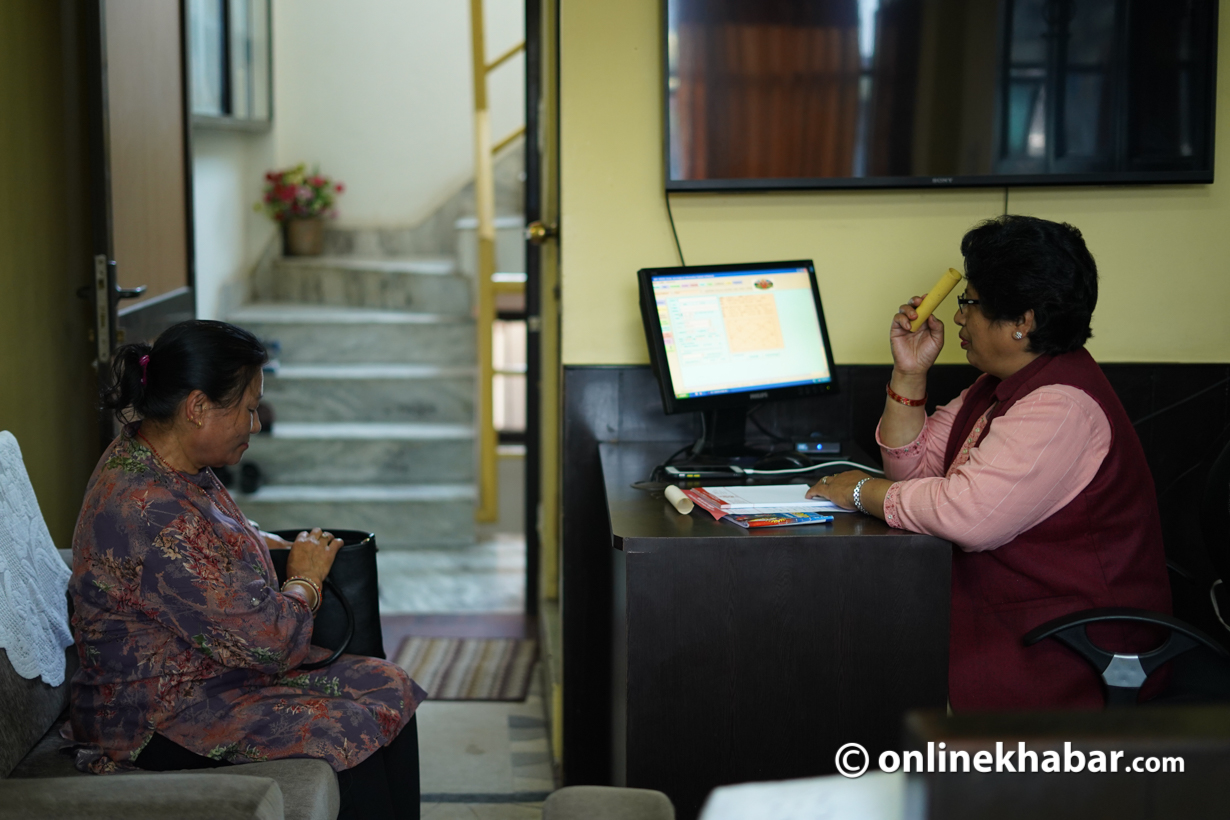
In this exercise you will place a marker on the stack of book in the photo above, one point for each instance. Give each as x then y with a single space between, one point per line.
764 505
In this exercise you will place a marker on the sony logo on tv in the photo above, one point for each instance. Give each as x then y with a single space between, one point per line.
763 395
941 180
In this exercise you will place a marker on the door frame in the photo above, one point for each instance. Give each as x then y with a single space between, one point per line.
533 303
542 439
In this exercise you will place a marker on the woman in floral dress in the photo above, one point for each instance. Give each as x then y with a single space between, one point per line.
189 650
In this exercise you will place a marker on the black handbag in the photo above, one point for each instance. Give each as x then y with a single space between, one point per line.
349 616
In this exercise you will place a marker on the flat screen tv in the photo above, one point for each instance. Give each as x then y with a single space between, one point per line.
779 94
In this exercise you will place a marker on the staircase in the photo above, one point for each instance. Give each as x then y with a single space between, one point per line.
373 397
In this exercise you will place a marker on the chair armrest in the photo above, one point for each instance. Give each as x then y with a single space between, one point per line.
1144 616
142 797
1123 674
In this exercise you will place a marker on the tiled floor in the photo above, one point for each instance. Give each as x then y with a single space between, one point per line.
479 760
481 811
487 577
485 753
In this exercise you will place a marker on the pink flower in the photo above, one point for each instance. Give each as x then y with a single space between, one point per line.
340 188
285 193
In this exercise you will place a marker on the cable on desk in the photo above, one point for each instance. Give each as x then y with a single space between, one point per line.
666 462
864 467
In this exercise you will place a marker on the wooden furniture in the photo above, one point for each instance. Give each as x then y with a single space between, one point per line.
1156 762
622 403
744 655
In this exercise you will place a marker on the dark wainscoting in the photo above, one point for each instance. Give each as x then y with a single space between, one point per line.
607 403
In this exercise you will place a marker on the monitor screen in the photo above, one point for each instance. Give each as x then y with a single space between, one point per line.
732 334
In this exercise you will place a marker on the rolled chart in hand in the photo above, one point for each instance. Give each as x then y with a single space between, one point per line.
938 294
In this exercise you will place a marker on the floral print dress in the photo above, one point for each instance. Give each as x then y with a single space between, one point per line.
181 630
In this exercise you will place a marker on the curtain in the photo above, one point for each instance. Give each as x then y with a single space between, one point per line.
766 90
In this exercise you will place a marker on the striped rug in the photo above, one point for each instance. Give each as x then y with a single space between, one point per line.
470 668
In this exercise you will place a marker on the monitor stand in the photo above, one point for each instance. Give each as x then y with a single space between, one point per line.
724 441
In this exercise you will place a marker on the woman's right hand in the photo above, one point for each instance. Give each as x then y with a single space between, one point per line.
914 353
312 555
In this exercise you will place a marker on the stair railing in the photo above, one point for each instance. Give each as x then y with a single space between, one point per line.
484 204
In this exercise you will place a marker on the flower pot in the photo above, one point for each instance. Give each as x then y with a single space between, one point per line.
303 237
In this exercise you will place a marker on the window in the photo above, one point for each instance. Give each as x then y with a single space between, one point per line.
229 47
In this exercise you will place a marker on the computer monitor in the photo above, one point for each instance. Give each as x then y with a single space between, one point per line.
725 338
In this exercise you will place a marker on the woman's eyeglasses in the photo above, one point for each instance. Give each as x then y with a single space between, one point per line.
962 301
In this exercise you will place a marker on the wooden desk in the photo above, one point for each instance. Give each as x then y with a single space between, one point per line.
744 655
1199 735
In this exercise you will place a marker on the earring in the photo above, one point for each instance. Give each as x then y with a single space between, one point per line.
1018 336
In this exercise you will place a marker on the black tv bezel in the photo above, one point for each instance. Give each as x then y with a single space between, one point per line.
1109 179
739 399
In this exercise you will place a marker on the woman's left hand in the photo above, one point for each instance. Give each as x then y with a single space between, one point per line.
838 488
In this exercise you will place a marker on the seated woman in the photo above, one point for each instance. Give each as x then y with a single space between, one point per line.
1034 473
188 647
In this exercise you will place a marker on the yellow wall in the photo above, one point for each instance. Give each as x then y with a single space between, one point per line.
45 378
1161 251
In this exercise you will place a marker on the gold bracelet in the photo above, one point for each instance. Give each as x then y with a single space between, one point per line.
299 579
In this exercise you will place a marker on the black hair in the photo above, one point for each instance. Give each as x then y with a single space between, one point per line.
218 359
1021 263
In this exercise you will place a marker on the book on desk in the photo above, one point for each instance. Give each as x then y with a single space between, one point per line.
764 505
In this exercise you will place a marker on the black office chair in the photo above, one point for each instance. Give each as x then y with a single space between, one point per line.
1199 678
1200 665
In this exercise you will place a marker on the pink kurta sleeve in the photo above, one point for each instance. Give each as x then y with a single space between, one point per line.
1032 462
924 456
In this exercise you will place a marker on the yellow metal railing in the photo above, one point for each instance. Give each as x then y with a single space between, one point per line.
484 204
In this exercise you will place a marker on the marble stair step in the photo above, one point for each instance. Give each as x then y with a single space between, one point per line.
329 334
364 453
372 392
401 516
428 284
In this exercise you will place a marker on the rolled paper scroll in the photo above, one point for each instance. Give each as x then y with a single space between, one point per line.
678 500
938 294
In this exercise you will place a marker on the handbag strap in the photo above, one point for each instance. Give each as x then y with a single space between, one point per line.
329 586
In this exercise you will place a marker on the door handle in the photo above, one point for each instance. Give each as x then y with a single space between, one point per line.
538 232
130 293
87 291
105 293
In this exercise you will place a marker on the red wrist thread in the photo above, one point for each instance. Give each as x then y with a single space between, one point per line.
892 394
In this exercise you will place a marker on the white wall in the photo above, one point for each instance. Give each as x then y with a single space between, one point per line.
227 172
378 94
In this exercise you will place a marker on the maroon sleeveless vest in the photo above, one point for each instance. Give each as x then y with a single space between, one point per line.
1104 549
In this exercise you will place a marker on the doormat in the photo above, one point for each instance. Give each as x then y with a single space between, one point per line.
470 668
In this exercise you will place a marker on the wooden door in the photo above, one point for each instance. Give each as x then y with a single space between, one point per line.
141 173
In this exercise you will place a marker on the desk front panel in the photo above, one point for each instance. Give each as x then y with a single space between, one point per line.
744 655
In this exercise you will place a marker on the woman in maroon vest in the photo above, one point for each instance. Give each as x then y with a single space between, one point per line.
1034 472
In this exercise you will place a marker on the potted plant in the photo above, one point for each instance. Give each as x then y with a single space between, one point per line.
300 202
